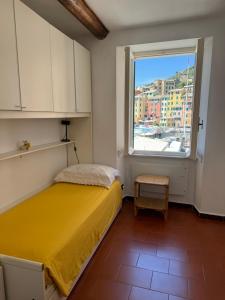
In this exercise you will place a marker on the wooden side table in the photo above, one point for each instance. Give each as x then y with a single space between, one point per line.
149 203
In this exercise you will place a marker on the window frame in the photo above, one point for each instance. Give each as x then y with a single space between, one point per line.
161 49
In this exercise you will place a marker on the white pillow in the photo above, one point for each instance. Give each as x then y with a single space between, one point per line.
89 174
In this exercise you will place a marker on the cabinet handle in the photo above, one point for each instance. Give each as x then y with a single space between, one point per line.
23 107
18 106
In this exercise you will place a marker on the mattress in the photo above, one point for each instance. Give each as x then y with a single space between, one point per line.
60 227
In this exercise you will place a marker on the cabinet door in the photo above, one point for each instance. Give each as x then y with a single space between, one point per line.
34 52
62 72
9 80
82 78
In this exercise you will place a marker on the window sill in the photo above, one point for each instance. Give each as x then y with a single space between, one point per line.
149 154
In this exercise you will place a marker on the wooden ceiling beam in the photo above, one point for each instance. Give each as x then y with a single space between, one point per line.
81 10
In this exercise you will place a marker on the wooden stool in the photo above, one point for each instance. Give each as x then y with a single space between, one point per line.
149 203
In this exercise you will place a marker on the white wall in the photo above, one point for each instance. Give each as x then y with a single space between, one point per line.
81 131
21 177
25 176
105 110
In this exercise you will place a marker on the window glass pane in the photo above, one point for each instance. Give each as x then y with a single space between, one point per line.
163 101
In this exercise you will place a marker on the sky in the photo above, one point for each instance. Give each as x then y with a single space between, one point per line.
150 69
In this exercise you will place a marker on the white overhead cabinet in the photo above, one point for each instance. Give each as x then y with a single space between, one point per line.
34 54
9 80
62 72
41 69
82 78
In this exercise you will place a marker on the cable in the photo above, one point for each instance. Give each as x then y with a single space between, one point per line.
75 151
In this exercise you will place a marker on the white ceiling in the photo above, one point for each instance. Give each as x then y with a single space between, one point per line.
121 14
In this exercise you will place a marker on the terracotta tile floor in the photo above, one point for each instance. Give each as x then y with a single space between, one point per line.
146 258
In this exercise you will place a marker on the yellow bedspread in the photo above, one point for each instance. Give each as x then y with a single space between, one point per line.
59 227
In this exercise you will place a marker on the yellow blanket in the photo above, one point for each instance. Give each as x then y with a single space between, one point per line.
59 227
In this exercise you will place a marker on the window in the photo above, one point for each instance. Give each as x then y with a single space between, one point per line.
169 73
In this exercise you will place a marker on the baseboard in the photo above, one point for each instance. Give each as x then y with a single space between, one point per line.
200 213
179 204
2 288
208 215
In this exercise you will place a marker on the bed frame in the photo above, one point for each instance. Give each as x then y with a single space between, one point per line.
22 279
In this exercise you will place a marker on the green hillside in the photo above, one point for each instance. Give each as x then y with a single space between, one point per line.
182 75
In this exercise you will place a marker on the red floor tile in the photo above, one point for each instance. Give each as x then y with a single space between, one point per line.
175 298
172 253
136 246
108 290
102 269
135 276
143 247
206 256
129 258
153 263
80 291
214 271
144 294
169 284
197 290
192 270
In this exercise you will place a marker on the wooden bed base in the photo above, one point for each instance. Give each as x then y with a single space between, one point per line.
22 279
2 288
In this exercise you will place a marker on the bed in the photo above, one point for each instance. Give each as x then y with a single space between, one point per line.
47 240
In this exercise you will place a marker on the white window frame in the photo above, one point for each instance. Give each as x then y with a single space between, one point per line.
159 49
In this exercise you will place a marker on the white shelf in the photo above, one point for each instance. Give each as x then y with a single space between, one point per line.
20 153
40 115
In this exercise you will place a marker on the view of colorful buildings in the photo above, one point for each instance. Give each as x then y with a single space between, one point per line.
171 109
164 109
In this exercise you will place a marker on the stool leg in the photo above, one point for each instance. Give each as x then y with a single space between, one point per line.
165 214
135 210
136 189
136 195
166 203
